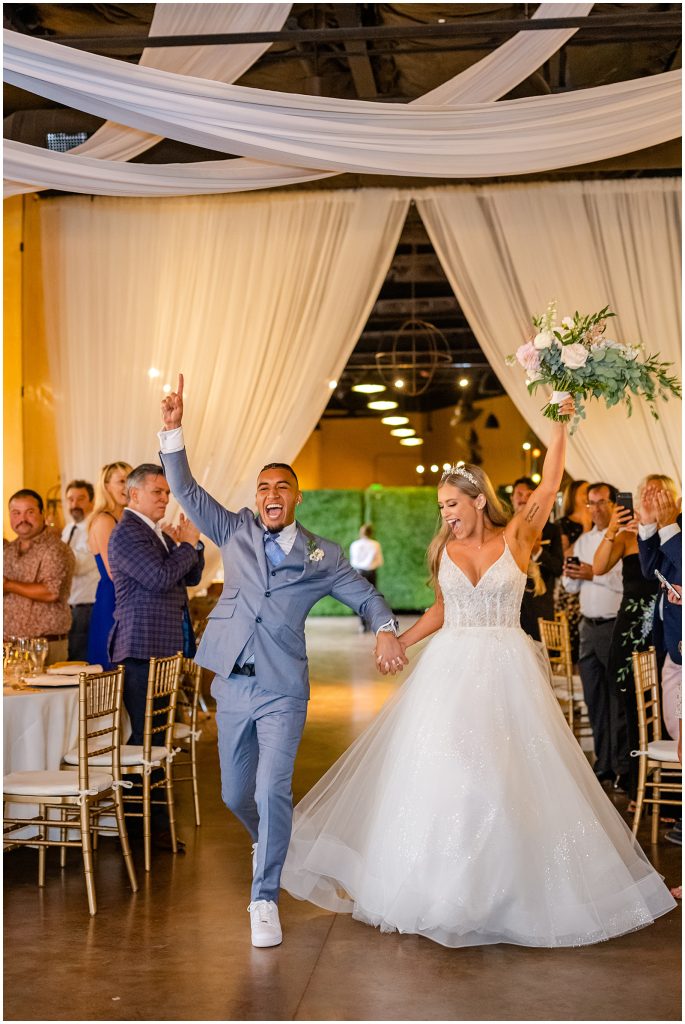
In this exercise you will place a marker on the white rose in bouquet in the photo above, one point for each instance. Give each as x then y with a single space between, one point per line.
543 340
574 356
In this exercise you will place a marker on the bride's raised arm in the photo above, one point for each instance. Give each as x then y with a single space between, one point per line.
528 524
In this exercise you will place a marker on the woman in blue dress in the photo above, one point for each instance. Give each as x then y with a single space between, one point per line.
110 501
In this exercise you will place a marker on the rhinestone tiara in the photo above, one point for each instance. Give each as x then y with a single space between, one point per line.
460 471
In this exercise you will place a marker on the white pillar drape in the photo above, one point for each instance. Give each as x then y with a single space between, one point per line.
259 300
508 250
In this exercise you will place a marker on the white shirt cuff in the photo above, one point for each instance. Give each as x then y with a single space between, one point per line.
387 627
666 532
171 441
646 531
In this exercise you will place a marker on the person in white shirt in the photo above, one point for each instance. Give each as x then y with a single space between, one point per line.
600 599
79 501
366 556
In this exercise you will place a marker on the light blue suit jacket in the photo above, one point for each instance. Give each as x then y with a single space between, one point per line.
257 600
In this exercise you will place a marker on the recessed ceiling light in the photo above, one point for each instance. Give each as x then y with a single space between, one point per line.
395 421
381 406
368 389
411 442
403 432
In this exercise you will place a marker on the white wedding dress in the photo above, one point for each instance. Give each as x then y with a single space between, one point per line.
467 811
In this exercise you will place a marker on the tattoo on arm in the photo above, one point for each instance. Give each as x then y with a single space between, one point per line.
532 512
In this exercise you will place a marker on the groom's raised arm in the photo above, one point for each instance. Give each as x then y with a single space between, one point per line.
209 515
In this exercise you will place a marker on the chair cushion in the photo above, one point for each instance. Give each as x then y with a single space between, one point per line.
43 783
181 731
130 755
663 750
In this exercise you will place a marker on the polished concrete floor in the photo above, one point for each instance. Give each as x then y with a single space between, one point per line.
180 949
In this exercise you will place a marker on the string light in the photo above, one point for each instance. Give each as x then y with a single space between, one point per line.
536 453
395 421
399 383
420 469
154 372
434 468
381 406
368 389
463 382
411 442
332 384
403 432
446 466
526 446
536 478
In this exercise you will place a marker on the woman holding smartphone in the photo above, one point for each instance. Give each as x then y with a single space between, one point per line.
632 631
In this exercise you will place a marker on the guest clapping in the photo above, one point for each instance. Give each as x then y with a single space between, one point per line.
110 501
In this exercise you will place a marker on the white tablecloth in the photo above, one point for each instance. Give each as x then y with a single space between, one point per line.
39 726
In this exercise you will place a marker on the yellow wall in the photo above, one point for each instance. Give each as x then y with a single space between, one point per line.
13 463
30 443
354 453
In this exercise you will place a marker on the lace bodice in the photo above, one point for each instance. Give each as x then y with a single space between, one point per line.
494 601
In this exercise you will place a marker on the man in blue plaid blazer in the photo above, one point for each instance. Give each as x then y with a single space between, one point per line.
150 571
274 571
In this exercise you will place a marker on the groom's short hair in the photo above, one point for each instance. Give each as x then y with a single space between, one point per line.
282 465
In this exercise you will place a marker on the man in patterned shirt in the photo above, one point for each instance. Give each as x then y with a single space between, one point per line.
38 569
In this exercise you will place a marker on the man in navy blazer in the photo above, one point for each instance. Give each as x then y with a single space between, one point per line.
150 571
660 543
274 572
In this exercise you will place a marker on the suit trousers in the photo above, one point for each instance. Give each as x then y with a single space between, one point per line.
78 634
259 733
605 708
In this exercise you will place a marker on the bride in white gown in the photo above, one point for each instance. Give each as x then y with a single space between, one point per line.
467 811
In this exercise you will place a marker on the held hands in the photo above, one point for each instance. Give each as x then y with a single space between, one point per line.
172 407
389 654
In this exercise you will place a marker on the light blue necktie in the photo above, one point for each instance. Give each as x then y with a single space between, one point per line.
274 552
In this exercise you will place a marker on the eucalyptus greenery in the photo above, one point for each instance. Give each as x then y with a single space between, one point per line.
574 356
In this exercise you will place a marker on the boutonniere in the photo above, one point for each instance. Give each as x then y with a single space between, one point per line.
315 554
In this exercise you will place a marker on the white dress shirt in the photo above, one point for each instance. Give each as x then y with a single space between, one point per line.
86 576
365 554
155 527
600 597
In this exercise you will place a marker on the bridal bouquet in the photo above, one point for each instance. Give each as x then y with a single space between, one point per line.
574 357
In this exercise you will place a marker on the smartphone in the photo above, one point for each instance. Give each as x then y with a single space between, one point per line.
664 581
573 560
625 500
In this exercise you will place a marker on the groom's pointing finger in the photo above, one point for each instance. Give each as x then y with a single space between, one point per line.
179 391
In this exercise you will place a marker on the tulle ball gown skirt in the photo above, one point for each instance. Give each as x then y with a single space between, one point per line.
468 813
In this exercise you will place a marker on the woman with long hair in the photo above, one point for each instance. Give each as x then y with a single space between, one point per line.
110 501
467 811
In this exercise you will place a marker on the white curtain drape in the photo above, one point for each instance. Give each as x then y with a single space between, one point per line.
487 79
259 300
220 63
471 140
508 250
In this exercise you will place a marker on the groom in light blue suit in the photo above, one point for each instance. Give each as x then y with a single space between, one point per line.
274 572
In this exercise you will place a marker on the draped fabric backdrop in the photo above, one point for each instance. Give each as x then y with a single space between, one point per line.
258 300
508 250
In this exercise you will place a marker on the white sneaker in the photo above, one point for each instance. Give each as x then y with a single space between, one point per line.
266 927
254 859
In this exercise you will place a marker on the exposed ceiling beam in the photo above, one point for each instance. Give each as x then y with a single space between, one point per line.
361 69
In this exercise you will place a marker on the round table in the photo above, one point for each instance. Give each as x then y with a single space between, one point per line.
39 727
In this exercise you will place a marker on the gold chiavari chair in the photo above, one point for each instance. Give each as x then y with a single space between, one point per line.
556 640
160 712
82 797
186 732
660 771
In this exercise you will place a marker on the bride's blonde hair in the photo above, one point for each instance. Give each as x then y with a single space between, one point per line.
494 510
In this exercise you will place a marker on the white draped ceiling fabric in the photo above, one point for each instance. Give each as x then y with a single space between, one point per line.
508 250
259 300
486 80
461 140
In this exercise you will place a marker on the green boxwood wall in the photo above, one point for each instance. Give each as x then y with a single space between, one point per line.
404 520
336 515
